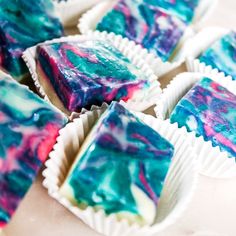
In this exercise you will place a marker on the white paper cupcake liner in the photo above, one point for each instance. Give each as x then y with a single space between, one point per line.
87 24
203 12
198 44
69 11
178 189
93 16
214 163
129 50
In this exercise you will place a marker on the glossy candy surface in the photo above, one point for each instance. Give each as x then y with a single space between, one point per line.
222 55
89 73
183 9
120 168
147 25
209 110
22 25
28 130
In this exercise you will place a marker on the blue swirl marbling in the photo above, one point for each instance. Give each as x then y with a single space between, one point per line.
121 168
222 55
183 9
151 27
28 130
209 110
24 23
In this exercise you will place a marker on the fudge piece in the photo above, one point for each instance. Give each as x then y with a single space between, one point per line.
183 9
222 55
28 130
150 26
23 24
120 168
89 73
209 110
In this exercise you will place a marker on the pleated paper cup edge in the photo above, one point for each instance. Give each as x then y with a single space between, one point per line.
207 36
26 55
158 66
195 65
192 48
167 103
203 11
150 120
213 167
53 191
139 104
179 81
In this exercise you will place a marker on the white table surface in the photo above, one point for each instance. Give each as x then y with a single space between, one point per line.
212 211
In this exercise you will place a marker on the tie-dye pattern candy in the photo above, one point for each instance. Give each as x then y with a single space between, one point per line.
22 25
89 73
28 130
183 9
149 26
120 168
209 110
222 55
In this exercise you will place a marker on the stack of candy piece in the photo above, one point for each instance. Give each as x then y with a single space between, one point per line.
89 73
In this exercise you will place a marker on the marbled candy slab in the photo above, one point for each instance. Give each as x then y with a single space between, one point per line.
23 24
120 168
147 25
89 73
209 110
28 130
183 9
222 55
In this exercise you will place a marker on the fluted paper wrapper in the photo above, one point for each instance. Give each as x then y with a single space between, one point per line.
197 45
138 103
87 25
178 188
214 163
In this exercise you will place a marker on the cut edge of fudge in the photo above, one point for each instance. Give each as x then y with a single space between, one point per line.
145 205
217 50
177 20
135 88
194 120
9 207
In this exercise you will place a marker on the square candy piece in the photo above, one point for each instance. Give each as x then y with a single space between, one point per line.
209 110
24 23
183 9
150 26
120 168
222 55
89 73
28 130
